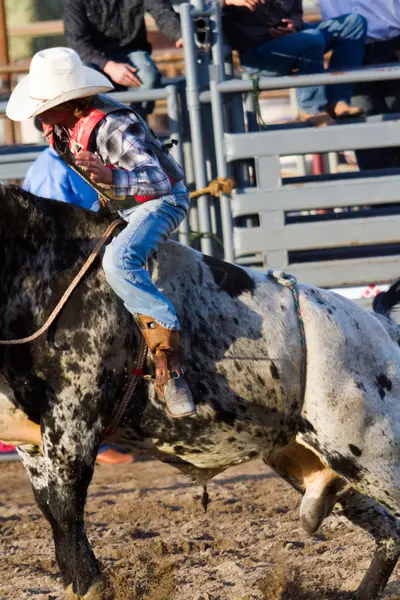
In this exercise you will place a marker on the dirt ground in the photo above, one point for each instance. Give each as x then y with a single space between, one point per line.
155 542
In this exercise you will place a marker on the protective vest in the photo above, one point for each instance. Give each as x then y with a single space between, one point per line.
80 139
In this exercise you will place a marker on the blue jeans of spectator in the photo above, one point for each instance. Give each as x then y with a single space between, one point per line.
147 72
304 51
377 98
125 258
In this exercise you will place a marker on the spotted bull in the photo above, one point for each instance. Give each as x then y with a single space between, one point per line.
336 441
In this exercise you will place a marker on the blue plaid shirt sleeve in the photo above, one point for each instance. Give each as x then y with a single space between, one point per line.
121 142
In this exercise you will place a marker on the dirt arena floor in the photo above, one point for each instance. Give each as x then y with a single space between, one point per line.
155 542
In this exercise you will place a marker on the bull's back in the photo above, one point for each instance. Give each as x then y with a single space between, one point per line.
241 348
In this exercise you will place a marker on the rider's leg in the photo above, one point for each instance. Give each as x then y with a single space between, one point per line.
124 264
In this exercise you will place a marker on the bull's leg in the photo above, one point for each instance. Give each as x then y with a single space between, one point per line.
36 466
69 476
321 487
304 471
385 529
69 469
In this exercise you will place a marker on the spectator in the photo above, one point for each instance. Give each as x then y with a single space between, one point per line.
383 46
272 40
111 37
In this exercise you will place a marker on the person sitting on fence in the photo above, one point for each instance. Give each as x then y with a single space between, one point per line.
272 40
383 46
111 37
115 151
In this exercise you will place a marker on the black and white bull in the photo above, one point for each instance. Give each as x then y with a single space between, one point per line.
338 443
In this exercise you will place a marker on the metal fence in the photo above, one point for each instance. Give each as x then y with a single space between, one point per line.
330 230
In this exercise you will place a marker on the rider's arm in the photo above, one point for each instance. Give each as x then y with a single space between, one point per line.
121 142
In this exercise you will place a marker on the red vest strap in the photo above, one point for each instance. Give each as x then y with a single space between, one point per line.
80 137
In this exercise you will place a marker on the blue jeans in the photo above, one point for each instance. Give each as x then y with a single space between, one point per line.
147 72
304 51
125 258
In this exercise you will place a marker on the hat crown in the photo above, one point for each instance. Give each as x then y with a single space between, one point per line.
55 71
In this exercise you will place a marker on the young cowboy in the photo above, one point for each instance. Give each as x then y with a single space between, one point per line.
116 152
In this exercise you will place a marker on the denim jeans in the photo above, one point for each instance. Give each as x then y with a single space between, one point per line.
304 51
125 258
376 98
147 72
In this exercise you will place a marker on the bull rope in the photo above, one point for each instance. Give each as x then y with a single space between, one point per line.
290 281
136 376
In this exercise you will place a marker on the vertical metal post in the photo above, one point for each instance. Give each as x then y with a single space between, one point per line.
4 60
4 55
194 108
222 166
174 126
217 38
235 104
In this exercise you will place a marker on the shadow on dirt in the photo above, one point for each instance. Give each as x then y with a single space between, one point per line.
281 585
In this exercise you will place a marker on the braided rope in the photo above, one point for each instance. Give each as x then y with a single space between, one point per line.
255 92
290 281
70 288
137 375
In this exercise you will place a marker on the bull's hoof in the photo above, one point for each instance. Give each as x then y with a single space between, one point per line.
312 513
95 592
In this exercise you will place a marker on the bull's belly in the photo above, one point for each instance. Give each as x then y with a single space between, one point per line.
222 455
209 445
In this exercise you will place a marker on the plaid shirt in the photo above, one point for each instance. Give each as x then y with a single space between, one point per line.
120 140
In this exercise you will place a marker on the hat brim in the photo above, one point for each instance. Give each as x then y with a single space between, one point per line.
21 106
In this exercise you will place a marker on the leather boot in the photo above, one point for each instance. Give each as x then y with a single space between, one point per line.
170 384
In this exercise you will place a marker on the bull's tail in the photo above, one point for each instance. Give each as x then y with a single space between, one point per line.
387 303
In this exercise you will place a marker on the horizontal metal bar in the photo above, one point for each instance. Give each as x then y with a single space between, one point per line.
140 95
364 191
272 235
288 142
386 73
17 157
347 272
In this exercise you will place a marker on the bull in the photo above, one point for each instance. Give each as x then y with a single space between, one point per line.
331 429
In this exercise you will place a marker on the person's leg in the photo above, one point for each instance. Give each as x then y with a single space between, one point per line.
377 98
345 36
301 51
124 264
148 74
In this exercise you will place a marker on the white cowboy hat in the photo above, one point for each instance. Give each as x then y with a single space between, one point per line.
56 75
